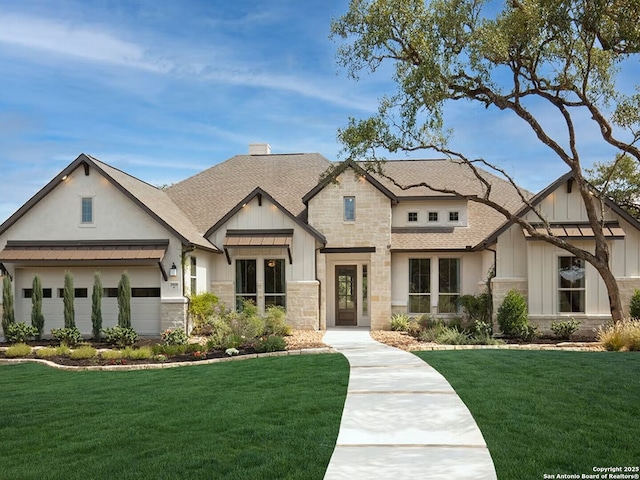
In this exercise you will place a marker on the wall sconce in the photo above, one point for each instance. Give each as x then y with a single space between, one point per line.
173 271
271 263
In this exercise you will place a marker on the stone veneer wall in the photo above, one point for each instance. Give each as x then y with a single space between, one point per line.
225 293
380 289
173 313
627 286
302 305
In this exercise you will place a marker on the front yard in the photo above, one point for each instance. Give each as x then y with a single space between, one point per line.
263 418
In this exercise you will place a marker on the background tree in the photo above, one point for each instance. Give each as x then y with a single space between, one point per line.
96 306
124 301
557 58
37 317
8 312
620 181
68 296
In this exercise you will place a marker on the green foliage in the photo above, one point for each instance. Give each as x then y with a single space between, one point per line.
174 336
48 352
220 330
246 324
96 306
272 343
202 306
19 332
399 322
111 354
622 336
634 306
483 329
37 317
620 181
124 301
169 350
477 307
8 312
565 328
120 336
427 321
18 350
68 296
69 336
451 336
512 314
276 321
83 353
142 353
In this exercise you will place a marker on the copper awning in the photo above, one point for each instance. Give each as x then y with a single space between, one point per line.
278 238
74 252
577 230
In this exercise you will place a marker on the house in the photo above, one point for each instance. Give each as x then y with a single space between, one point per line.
334 247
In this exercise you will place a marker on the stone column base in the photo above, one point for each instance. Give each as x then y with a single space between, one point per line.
173 313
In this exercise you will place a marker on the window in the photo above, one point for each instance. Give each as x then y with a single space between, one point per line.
87 210
144 292
454 216
28 292
365 290
274 283
246 283
194 277
110 292
412 216
419 285
77 293
349 209
571 285
449 285
433 216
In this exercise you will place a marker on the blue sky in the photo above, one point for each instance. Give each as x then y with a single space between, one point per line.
164 89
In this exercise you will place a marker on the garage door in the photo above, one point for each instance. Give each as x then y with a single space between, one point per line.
145 301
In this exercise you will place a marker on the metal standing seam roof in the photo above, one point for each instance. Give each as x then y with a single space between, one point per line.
610 230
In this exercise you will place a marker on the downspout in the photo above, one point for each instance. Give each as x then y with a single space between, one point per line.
315 267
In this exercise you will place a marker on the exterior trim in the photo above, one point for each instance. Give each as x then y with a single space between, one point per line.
349 250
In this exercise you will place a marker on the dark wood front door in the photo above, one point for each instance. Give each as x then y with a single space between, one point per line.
346 295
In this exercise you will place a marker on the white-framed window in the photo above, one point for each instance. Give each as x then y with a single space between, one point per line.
86 215
193 276
419 285
412 216
433 216
454 216
275 293
571 285
246 282
448 285
349 209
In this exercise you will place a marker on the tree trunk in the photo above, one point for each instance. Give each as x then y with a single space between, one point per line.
613 291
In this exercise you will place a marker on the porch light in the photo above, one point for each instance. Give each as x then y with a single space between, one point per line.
173 271
271 263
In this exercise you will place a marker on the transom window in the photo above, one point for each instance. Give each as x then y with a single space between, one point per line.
571 285
454 216
449 285
412 216
87 210
419 285
350 209
433 216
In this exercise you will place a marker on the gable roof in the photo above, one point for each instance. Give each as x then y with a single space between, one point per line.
540 196
149 198
209 195
259 192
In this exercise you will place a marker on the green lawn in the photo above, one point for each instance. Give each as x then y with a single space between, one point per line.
550 412
258 419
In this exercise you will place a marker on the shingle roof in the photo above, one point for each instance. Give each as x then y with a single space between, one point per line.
208 196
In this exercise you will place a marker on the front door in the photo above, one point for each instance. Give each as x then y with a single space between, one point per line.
346 295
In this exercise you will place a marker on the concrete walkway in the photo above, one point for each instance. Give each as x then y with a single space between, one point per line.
401 417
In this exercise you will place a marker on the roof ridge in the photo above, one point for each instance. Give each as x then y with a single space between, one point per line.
101 162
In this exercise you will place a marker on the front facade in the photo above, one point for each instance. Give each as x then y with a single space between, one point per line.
348 250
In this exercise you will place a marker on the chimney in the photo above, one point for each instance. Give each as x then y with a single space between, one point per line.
259 149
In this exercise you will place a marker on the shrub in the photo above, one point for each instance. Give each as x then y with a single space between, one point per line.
451 336
620 336
68 295
246 324
69 336
19 332
83 352
169 350
124 302
564 329
512 314
160 358
174 336
528 332
17 350
120 336
111 354
202 306
276 321
482 329
47 352
37 317
427 321
477 307
413 328
142 353
96 306
233 341
220 330
399 322
272 343
634 307
8 313
430 334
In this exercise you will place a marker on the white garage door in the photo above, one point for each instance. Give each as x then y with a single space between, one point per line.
145 301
